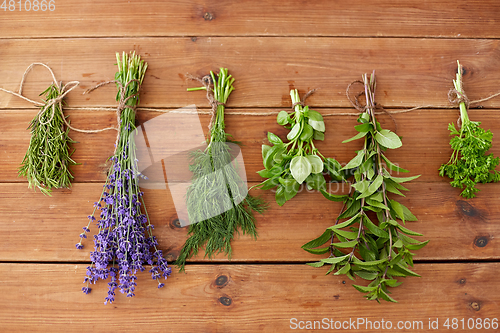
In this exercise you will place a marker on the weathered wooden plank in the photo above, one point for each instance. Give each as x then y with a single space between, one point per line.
410 71
39 228
424 132
457 19
249 298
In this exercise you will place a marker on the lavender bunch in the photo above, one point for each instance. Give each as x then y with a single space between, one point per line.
124 242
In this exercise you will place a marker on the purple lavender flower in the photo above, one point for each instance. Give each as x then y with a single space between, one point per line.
124 242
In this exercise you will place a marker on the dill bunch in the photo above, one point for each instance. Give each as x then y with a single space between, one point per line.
217 201
469 164
47 162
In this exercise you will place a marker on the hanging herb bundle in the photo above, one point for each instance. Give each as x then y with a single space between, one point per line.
124 243
217 204
376 251
288 165
48 160
469 164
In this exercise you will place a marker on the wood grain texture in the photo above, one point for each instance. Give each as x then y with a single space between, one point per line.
39 228
270 46
411 72
424 132
382 18
41 298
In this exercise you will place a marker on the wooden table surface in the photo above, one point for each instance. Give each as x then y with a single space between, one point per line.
269 47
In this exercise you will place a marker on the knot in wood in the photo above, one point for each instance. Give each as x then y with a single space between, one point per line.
225 300
208 16
221 281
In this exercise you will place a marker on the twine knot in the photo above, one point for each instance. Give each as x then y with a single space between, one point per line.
51 103
206 81
303 100
456 97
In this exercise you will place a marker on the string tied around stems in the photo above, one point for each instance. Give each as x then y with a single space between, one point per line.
52 103
362 108
122 102
303 100
207 83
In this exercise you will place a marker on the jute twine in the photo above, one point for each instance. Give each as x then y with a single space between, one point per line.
122 103
206 81
52 103
454 99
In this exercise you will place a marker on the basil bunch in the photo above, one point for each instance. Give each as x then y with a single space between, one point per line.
288 165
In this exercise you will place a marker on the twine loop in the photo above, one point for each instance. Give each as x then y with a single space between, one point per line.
303 100
206 81
51 103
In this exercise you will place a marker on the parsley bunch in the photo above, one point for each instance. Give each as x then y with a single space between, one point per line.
469 164
372 244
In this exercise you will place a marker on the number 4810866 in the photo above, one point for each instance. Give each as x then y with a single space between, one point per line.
28 5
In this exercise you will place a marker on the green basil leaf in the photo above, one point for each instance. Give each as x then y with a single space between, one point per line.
294 133
280 195
269 184
317 125
316 181
314 115
316 163
283 118
388 139
318 135
273 138
300 167
265 150
307 133
269 157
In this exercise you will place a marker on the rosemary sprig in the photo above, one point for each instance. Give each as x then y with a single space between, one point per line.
217 204
379 251
47 162
469 164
